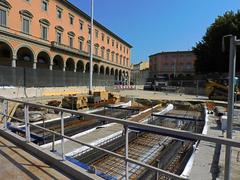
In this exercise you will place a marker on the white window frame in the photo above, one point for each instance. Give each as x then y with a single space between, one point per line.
58 9
42 7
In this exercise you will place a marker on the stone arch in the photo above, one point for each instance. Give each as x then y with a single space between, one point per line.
28 47
120 75
87 67
70 65
6 53
80 66
107 71
58 63
116 74
112 72
95 68
102 70
43 60
25 57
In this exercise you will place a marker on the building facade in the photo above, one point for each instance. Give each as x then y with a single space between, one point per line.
172 64
55 35
140 73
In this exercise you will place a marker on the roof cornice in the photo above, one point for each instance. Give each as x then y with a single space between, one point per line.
73 7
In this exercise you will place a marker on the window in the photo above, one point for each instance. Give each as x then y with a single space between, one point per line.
124 61
71 19
44 24
89 30
96 33
26 24
120 47
124 49
26 17
112 56
59 37
117 58
117 45
59 12
112 43
81 25
108 40
71 36
120 59
102 52
96 50
44 5
59 31
44 32
108 54
3 18
89 46
102 37
70 41
81 45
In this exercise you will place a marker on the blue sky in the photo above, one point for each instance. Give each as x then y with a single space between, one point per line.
152 26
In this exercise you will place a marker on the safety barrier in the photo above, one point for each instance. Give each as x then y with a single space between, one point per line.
180 134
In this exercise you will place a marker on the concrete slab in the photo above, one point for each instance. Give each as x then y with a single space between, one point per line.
16 163
210 157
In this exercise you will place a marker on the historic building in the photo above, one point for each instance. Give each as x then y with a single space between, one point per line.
172 64
55 35
140 73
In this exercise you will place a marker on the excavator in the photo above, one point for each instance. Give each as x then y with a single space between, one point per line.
217 89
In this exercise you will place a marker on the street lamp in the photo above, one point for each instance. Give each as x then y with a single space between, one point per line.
91 52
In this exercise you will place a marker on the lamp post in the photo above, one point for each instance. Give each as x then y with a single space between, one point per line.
91 52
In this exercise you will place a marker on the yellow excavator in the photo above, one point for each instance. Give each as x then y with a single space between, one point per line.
217 89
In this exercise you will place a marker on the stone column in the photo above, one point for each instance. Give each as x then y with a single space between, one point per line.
64 66
51 64
35 64
75 67
14 59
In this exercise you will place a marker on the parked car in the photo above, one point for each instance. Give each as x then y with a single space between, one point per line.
148 86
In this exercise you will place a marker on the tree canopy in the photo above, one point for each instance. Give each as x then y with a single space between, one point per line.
208 51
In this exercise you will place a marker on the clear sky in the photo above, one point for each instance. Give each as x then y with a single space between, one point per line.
152 26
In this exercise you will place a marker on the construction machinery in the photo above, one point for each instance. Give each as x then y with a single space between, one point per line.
217 89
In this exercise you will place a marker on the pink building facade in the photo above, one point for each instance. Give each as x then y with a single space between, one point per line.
55 35
172 64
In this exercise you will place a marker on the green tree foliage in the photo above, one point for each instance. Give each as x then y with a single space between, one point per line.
208 51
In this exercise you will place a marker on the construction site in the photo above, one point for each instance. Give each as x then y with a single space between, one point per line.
94 133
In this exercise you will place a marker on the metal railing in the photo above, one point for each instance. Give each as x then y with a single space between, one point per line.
128 125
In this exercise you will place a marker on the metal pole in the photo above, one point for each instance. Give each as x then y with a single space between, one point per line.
5 113
91 52
62 133
126 151
53 143
232 66
26 119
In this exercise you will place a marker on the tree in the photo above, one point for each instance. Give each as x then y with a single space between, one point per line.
208 51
